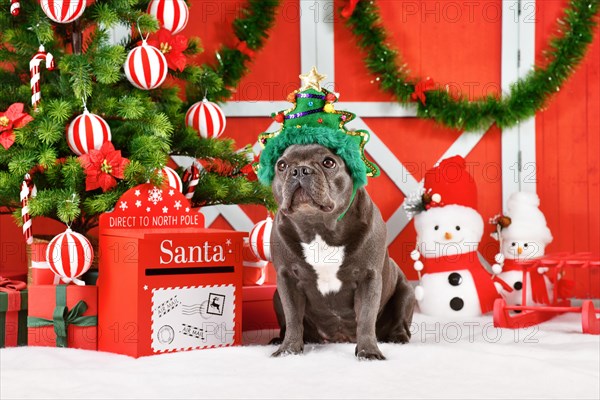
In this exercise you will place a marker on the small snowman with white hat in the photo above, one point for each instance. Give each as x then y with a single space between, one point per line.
523 235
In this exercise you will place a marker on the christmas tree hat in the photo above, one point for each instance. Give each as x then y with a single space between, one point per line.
314 120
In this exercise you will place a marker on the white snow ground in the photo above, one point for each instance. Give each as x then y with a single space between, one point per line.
452 360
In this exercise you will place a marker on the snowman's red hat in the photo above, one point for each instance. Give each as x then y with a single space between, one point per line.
450 183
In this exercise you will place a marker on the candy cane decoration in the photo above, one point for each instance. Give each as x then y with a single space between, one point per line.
15 7
34 71
192 177
28 190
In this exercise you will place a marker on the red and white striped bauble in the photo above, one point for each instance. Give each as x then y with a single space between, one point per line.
260 239
206 118
86 132
171 178
63 11
69 256
171 14
146 67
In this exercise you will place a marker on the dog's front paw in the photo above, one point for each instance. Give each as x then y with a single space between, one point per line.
289 349
368 353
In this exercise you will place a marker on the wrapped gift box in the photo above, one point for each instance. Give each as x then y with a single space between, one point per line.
259 313
63 316
13 313
165 282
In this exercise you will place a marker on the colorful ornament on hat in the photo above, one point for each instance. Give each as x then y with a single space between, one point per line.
420 89
63 11
191 176
260 239
206 118
15 7
87 131
11 119
146 67
171 179
34 72
102 167
28 190
172 15
172 46
433 200
312 80
70 255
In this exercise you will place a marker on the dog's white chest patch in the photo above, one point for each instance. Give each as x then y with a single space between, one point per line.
326 261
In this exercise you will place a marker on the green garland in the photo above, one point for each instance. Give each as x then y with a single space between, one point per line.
526 96
251 31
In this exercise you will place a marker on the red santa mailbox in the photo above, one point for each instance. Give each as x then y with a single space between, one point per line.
166 283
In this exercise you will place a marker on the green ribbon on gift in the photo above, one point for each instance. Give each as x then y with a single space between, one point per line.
63 317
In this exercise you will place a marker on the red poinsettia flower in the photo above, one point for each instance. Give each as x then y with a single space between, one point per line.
12 118
102 167
172 46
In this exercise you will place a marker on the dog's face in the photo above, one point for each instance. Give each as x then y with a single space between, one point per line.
311 180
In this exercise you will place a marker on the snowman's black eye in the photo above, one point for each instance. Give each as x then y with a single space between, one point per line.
513 244
518 285
525 245
457 228
436 227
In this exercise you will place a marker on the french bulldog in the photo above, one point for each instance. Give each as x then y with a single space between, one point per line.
335 279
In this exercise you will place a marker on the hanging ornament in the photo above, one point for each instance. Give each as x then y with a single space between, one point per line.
87 131
70 255
34 72
171 14
255 269
63 11
260 239
171 178
206 118
192 178
15 7
146 67
28 190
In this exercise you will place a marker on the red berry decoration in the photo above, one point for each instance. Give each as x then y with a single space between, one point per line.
330 97
279 117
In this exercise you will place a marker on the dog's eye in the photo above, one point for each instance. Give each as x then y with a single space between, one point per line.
329 162
281 165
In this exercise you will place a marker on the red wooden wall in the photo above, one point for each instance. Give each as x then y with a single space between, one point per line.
456 43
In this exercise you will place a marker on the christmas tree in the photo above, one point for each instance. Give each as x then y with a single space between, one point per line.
58 63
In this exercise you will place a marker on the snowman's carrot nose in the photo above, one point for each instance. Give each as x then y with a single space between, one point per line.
448 236
520 250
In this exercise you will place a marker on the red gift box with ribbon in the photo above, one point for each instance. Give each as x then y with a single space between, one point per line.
13 313
39 269
63 316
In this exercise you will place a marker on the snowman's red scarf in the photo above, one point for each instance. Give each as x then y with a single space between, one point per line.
539 292
484 282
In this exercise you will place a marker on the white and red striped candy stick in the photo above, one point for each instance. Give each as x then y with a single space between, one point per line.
192 177
34 72
28 190
15 7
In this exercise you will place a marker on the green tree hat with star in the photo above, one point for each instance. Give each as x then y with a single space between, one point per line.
314 120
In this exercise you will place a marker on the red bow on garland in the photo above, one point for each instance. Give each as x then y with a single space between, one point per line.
421 88
243 48
348 10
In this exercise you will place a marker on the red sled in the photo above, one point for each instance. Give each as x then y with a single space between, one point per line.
524 315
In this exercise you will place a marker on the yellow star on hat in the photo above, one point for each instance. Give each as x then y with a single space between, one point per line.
312 80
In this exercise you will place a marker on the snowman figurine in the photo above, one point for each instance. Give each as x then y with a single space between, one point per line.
523 235
453 282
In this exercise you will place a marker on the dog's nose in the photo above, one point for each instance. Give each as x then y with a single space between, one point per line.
301 170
